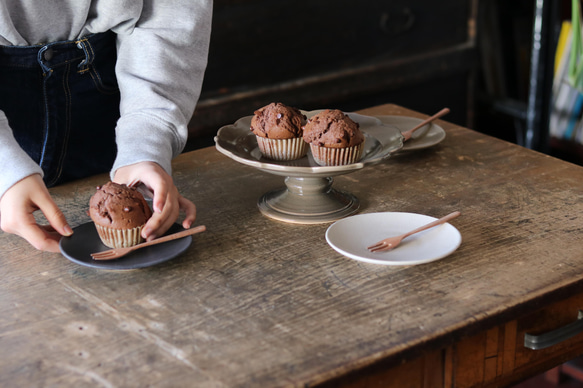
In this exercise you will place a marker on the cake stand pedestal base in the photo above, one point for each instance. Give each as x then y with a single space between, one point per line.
308 201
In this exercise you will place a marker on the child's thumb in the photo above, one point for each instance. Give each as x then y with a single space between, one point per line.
55 217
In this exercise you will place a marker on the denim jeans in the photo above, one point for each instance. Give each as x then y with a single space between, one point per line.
62 103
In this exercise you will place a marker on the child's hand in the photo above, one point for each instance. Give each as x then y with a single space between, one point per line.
167 202
17 206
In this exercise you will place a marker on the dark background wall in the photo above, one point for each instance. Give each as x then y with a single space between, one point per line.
337 54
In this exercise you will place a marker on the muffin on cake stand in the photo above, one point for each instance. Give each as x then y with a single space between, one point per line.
308 196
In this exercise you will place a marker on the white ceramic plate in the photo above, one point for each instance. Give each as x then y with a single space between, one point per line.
350 237
425 137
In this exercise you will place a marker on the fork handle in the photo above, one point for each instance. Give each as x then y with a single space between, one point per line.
442 220
172 236
407 134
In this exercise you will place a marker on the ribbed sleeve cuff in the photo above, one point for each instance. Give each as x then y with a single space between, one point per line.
143 138
17 164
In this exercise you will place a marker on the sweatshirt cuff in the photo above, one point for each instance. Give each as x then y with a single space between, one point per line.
21 165
143 138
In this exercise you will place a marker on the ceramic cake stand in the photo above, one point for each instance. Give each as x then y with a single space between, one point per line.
308 196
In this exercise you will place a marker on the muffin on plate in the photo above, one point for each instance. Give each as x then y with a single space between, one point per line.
119 213
334 138
278 129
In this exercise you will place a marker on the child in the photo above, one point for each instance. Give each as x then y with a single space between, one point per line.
88 86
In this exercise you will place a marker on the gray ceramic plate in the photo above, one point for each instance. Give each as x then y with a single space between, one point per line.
237 142
424 137
308 197
85 241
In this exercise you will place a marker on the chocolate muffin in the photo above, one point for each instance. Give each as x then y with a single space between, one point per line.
119 213
278 129
334 138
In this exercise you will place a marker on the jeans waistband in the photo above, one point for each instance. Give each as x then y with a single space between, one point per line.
54 54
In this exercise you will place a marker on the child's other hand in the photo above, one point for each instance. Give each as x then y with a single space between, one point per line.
167 202
17 206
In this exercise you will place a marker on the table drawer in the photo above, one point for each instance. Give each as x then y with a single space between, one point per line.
559 323
498 356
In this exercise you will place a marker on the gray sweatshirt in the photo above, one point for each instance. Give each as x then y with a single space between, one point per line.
157 96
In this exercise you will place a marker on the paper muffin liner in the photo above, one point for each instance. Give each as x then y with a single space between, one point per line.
119 238
328 156
282 149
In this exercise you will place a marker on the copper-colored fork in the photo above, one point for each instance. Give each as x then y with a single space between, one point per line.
407 134
393 242
116 253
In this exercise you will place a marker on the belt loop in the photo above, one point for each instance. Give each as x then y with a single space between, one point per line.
43 54
85 45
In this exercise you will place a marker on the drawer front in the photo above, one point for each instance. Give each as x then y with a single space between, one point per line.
498 357
256 43
556 317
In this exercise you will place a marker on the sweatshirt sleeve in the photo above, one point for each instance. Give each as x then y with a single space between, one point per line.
21 165
160 69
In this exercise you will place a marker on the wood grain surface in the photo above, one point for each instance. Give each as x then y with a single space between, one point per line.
259 303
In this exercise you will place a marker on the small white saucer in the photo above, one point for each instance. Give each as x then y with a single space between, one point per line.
350 237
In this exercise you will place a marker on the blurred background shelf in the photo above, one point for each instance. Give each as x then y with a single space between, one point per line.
517 43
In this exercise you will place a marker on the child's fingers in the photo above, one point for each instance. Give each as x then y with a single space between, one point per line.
190 209
18 205
39 238
160 197
160 222
54 215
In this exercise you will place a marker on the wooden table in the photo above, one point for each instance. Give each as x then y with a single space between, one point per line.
259 303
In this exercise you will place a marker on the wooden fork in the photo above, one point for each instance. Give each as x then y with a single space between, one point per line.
392 242
116 253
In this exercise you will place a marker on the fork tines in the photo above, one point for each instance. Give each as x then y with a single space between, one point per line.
105 255
380 246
